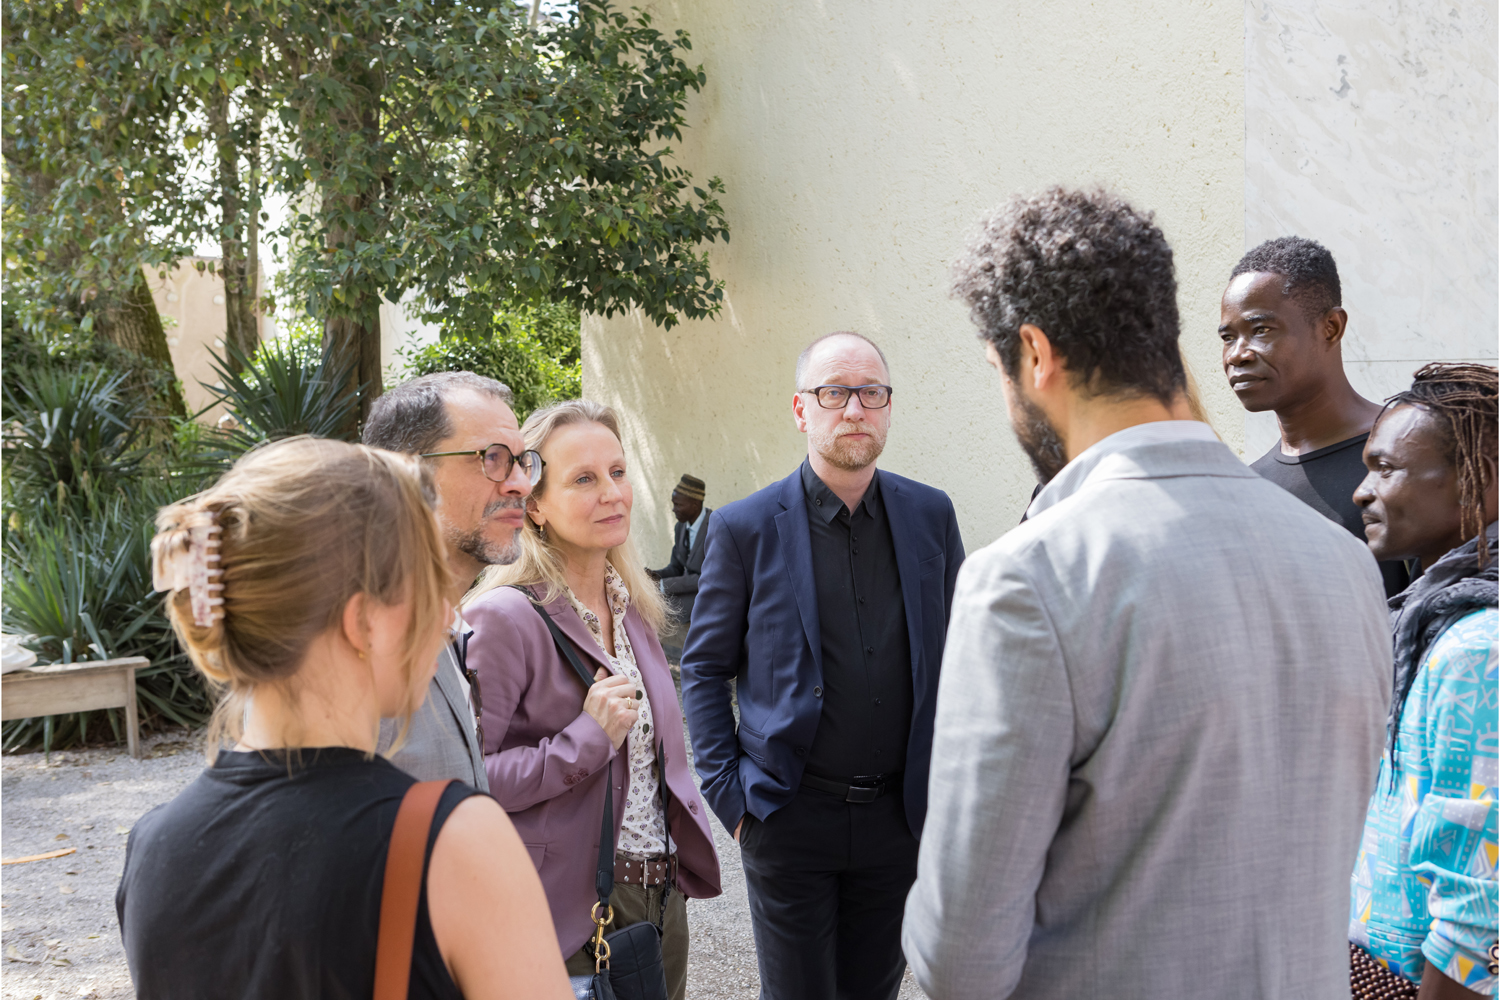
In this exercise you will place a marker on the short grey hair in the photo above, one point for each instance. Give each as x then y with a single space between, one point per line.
802 358
413 416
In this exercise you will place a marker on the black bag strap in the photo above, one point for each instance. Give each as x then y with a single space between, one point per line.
604 875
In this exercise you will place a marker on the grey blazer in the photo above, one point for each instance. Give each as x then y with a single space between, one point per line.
680 577
441 742
1160 717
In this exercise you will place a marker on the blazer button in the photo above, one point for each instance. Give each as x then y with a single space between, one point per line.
817 692
801 751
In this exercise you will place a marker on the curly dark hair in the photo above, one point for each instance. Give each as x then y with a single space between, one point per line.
1094 274
1464 401
1311 275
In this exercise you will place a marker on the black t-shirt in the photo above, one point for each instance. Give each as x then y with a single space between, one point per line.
1325 480
264 881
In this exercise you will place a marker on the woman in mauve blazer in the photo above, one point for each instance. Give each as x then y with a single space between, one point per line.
546 754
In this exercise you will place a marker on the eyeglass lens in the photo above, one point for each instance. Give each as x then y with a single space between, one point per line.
836 397
498 461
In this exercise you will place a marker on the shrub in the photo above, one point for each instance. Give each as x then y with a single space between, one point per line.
533 348
75 428
86 467
145 381
78 580
283 389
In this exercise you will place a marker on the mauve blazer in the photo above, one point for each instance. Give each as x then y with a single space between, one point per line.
546 758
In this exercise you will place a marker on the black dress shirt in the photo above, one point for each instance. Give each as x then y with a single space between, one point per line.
867 685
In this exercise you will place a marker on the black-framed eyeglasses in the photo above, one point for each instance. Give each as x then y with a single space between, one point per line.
496 462
836 397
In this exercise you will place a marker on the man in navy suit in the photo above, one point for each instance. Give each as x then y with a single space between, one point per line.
825 597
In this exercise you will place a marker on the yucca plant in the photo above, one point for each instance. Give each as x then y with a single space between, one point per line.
279 391
85 472
78 581
70 427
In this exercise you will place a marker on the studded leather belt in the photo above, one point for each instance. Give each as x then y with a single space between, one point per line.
648 872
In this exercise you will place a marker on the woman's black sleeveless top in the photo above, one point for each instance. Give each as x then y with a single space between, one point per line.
263 879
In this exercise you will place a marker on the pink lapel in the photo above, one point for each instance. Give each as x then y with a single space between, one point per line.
573 627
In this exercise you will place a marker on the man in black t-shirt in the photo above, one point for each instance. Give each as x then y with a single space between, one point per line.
1282 325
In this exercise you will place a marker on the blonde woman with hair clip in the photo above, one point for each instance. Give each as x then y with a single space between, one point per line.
579 593
307 586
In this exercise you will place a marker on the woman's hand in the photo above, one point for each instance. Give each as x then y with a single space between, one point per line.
611 702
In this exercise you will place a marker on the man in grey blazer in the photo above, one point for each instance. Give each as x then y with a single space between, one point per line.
462 424
1163 696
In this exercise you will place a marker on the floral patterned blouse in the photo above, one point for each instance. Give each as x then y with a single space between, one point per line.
643 832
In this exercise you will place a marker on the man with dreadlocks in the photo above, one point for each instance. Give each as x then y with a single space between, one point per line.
1423 894
1283 331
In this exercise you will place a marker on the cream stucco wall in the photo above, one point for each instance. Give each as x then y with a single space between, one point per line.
860 143
1370 127
191 304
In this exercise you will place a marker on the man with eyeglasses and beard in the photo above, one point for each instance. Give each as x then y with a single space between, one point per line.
1164 694
825 598
462 425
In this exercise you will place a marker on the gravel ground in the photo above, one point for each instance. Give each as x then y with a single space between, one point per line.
58 930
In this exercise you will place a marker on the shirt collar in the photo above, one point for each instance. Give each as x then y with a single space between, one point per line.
1071 479
825 504
619 604
697 522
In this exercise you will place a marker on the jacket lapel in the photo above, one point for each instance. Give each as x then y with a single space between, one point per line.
903 537
695 555
796 550
658 679
447 682
573 627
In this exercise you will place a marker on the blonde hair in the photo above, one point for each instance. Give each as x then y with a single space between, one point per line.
541 564
305 524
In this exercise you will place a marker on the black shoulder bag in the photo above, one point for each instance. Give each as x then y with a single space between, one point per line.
628 963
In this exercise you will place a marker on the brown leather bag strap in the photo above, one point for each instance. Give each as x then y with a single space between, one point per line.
404 862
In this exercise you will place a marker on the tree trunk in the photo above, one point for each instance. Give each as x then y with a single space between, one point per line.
353 325
135 325
237 238
357 341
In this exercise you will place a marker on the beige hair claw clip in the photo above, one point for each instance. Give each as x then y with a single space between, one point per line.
185 557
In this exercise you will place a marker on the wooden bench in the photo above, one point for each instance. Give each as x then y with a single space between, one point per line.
63 688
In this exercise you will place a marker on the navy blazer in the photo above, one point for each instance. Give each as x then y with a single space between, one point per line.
756 622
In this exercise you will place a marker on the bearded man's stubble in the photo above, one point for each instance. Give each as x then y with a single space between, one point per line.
481 549
835 448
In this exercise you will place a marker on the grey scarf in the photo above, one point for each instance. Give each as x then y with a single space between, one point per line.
1451 588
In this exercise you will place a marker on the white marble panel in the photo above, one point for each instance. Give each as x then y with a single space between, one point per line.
1371 128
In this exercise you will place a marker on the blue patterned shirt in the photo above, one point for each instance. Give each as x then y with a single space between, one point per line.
1424 887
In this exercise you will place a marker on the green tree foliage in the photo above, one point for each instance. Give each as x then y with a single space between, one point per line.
152 384
93 181
440 146
533 349
455 150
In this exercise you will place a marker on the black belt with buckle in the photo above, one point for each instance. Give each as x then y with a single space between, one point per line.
860 788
